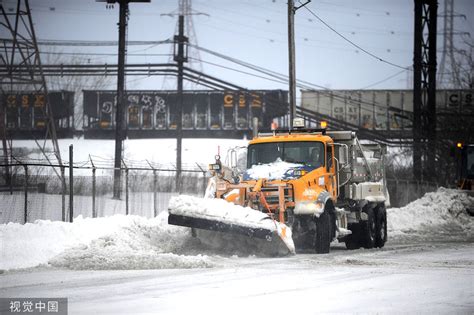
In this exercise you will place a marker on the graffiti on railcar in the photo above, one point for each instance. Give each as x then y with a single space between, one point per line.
201 110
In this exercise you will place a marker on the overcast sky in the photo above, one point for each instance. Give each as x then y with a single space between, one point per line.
255 31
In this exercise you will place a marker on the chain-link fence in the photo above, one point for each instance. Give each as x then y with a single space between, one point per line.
33 191
402 192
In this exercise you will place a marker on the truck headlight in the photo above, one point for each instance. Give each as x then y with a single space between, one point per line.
299 173
214 167
321 181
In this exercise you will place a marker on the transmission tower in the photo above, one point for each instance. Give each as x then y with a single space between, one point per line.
21 59
194 56
424 90
448 68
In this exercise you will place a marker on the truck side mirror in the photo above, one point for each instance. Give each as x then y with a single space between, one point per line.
233 158
343 154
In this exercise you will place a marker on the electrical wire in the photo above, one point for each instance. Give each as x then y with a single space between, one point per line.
284 79
384 80
47 42
102 54
240 71
352 43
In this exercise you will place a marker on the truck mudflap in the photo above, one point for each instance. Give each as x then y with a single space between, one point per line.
219 215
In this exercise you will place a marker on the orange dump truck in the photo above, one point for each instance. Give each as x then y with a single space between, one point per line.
315 185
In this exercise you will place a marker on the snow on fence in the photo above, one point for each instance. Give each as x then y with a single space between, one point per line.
34 192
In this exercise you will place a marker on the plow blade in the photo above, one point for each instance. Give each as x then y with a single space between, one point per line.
220 216
215 225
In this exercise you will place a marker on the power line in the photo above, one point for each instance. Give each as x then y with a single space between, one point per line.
352 43
384 80
102 54
243 72
284 79
46 42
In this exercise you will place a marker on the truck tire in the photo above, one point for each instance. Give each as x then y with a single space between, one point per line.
353 240
323 233
368 229
381 227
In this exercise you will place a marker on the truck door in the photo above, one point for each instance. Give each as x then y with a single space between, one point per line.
331 179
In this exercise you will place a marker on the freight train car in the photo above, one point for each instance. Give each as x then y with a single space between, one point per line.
154 114
24 114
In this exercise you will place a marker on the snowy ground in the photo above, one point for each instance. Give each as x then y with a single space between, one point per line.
131 264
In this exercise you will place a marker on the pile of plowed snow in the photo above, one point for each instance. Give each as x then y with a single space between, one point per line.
116 242
439 215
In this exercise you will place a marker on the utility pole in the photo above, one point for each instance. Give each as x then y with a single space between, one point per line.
291 61
291 58
119 112
180 57
185 9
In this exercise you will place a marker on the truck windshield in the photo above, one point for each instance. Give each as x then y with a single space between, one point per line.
309 153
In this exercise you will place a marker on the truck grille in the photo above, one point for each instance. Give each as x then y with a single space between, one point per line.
272 196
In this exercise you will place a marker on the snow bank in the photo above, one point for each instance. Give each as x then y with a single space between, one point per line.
275 170
117 242
437 215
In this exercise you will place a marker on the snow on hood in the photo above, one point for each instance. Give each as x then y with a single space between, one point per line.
276 170
116 242
437 215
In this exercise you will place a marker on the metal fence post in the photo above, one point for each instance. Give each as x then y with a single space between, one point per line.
63 194
126 187
94 212
26 193
406 193
71 184
397 194
204 182
417 189
155 206
155 182
126 192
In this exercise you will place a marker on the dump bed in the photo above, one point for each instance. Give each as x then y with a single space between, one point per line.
361 167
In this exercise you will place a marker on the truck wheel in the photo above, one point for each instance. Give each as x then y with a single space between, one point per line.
381 227
353 240
323 233
368 229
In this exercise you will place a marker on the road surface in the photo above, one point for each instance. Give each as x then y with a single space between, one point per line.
414 277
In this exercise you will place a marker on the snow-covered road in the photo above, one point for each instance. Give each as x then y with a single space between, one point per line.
425 277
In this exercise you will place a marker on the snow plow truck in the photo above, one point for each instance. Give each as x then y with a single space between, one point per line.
309 187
